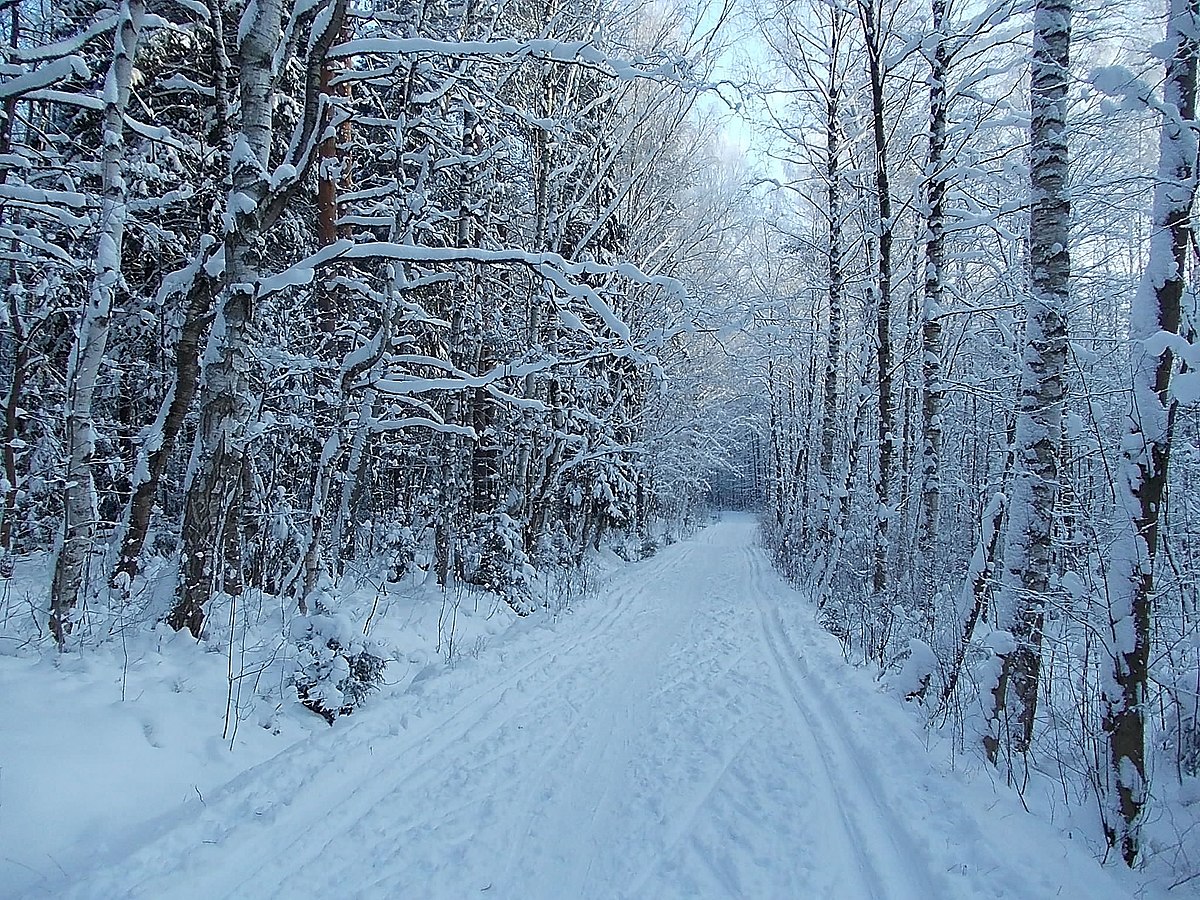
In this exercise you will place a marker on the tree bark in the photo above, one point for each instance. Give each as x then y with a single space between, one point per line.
331 171
1146 447
883 296
976 588
212 503
20 340
160 444
12 426
931 326
1028 551
79 503
833 347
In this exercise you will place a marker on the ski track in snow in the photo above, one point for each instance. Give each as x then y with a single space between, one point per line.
677 737
871 831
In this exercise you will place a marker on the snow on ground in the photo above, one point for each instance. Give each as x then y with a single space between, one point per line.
687 732
96 743
79 764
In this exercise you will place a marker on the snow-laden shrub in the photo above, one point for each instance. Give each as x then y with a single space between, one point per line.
564 573
1181 735
496 561
917 666
554 548
634 545
402 549
336 667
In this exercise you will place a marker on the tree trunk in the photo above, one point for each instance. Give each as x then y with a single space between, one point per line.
160 444
979 573
931 326
1027 548
1146 447
12 400
331 169
833 347
212 504
883 296
12 426
79 502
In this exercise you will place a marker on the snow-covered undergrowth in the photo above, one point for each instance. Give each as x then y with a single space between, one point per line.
131 721
1059 780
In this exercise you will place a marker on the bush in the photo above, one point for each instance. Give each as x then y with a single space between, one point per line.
496 561
336 667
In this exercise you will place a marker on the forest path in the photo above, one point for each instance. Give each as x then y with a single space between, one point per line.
689 732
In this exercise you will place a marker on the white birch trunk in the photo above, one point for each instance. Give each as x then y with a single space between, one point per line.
931 310
212 504
79 502
874 45
833 347
1145 448
1027 547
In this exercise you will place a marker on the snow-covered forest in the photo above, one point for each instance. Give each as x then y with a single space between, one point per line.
351 348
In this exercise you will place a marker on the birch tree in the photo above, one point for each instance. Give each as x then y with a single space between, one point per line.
870 15
1146 444
833 200
933 301
199 105
80 508
817 57
227 395
1028 563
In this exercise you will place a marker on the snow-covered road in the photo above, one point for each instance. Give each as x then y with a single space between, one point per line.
688 733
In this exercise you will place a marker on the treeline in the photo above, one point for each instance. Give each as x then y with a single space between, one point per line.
290 284
981 451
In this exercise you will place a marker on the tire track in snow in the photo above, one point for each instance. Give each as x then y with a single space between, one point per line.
891 865
564 789
586 745
670 742
695 804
